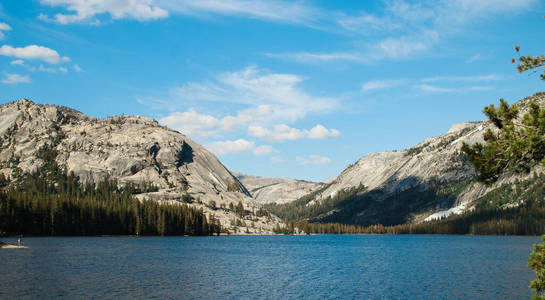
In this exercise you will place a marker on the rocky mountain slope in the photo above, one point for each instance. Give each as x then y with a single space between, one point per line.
430 180
267 190
129 149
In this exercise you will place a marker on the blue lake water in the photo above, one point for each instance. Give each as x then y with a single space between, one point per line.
271 267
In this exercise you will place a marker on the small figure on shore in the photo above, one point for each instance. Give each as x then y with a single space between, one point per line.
19 240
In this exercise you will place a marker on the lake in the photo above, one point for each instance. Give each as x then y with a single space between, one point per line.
271 267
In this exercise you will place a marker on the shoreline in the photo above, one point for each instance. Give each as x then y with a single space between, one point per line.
8 246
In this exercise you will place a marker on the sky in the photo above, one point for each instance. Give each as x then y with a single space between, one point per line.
276 88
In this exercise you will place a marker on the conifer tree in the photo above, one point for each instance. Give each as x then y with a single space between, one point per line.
537 263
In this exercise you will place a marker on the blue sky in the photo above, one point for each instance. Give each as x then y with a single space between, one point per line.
295 89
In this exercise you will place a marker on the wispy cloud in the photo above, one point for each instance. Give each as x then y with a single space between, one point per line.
475 78
437 89
239 145
87 11
12 78
374 85
283 132
33 52
42 68
313 159
91 12
271 10
4 27
276 159
268 98
474 58
17 62
447 84
405 29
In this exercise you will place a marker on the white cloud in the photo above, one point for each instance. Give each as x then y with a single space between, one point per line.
398 47
266 98
77 68
436 89
33 52
283 132
313 159
255 87
320 132
48 70
475 78
12 78
4 27
405 46
225 147
263 150
195 124
464 11
191 123
86 11
309 57
368 24
51 69
17 62
269 10
373 85
405 29
240 145
276 159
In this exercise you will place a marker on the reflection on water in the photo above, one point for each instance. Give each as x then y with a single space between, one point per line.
322 266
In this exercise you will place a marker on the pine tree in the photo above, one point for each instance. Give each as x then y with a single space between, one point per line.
537 263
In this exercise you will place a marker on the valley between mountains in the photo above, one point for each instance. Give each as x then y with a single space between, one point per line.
430 181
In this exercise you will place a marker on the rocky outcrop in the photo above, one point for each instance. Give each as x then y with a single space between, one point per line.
266 190
129 149
430 180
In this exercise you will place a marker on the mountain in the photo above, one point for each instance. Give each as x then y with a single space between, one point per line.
431 180
268 190
131 150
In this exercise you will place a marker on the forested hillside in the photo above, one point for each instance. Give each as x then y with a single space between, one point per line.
53 202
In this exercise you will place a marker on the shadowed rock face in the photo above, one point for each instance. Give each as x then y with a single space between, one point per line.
126 148
434 165
267 190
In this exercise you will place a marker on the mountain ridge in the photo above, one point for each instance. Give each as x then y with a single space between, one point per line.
428 181
129 149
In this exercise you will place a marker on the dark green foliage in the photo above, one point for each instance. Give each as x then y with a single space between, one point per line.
512 221
234 187
521 192
53 202
3 181
262 213
362 207
239 209
537 263
319 228
144 187
301 210
212 204
529 62
517 147
514 209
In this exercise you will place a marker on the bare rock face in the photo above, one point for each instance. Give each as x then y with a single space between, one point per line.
436 163
277 190
130 149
